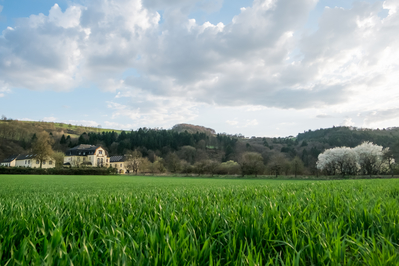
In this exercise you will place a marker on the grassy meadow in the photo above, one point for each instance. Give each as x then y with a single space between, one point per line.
127 220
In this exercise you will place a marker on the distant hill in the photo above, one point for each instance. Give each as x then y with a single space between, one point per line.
351 136
16 136
192 129
192 143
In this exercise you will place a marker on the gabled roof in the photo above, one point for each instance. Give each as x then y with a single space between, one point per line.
10 159
26 156
83 150
116 159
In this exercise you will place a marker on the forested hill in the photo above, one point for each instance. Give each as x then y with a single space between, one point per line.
351 136
193 129
193 145
17 137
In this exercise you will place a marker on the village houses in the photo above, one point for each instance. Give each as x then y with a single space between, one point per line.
27 160
83 155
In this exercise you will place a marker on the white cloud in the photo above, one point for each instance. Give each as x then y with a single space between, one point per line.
50 119
347 122
143 108
263 58
252 122
87 123
116 125
4 88
372 118
232 122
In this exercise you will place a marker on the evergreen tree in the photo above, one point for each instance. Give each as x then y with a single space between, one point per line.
63 140
34 138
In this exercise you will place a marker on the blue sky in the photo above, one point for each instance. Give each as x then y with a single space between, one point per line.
260 68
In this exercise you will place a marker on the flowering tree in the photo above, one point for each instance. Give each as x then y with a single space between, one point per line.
370 158
367 158
339 160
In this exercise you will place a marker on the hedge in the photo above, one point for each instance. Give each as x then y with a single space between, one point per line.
56 171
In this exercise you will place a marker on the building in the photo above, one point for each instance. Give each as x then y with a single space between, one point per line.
86 155
119 163
10 161
27 160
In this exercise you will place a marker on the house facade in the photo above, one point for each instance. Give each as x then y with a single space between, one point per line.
10 161
119 163
27 160
86 155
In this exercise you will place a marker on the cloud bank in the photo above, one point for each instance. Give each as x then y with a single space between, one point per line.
164 64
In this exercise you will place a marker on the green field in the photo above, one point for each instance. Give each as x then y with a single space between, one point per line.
125 220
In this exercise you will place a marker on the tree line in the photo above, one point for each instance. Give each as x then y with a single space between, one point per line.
160 150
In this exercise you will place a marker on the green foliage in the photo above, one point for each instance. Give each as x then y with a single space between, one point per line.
63 140
351 136
55 171
175 221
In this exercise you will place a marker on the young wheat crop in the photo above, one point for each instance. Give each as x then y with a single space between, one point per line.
63 220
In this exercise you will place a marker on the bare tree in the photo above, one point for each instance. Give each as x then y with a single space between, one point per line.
297 165
251 163
42 147
133 161
59 159
211 166
276 164
173 162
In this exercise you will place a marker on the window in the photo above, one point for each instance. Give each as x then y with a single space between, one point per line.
100 152
121 165
44 161
78 159
26 161
102 160
80 153
84 153
37 162
84 159
50 162
107 160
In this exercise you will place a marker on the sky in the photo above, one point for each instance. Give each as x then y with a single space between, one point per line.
259 68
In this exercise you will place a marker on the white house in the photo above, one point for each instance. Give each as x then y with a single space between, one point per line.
86 155
10 161
29 160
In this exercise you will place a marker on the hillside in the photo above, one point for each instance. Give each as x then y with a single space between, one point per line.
192 129
351 136
15 136
193 144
